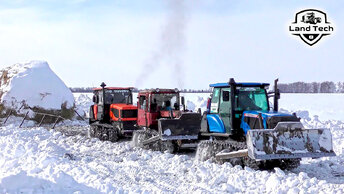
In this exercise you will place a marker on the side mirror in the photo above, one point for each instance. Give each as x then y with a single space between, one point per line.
225 96
95 99
183 102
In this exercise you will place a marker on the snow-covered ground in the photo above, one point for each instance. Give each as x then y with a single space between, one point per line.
39 160
326 106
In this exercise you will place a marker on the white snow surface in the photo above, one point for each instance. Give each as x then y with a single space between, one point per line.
326 106
39 160
36 84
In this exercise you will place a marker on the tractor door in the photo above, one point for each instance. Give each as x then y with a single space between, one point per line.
219 117
225 108
142 108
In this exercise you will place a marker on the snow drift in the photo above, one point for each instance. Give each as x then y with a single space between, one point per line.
35 85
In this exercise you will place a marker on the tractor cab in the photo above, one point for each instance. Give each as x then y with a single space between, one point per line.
113 114
112 104
154 104
237 107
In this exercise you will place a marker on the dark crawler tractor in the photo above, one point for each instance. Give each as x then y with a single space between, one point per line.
112 116
243 130
164 122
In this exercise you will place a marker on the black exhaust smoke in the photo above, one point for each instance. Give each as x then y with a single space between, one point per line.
172 45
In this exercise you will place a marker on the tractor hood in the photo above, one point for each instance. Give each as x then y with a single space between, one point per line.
268 119
266 113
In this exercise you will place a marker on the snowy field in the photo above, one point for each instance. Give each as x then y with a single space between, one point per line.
39 160
326 106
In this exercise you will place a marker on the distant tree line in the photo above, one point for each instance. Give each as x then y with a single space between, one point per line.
314 87
81 89
90 90
195 91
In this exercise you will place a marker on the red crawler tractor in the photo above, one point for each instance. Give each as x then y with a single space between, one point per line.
164 122
113 114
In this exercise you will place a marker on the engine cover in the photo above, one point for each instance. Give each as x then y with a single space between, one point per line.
264 119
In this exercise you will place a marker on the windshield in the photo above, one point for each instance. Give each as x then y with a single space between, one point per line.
251 98
165 102
117 96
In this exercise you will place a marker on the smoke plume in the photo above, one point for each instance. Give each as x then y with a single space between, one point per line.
171 45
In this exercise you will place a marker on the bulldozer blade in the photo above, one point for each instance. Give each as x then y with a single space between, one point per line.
234 154
151 140
187 126
289 140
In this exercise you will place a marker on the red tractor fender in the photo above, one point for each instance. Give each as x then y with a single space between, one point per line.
95 111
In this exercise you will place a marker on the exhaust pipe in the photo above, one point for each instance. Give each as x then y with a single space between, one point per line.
103 88
277 95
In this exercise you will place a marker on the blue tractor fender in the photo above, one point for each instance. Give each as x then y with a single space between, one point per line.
215 124
244 126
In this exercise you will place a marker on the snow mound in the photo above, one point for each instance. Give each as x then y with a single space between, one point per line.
36 85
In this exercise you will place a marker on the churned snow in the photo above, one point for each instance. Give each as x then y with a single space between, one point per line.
36 84
41 160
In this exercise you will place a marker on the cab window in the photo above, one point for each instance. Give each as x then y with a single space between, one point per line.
251 99
142 102
215 101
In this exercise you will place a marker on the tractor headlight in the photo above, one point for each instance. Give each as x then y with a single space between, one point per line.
167 132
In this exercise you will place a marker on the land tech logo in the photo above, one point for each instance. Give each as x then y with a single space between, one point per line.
311 25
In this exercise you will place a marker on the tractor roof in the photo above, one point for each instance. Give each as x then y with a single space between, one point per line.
242 84
114 88
124 106
159 90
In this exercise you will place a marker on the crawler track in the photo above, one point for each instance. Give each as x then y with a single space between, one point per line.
207 150
142 135
104 132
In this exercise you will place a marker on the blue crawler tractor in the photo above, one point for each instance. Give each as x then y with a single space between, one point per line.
240 127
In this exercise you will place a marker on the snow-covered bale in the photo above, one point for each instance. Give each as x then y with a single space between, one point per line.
35 86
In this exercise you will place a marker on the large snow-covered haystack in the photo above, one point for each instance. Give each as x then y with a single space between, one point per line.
35 85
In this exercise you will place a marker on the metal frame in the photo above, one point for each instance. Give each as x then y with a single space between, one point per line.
38 113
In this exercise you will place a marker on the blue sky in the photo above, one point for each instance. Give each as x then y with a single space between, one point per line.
141 43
